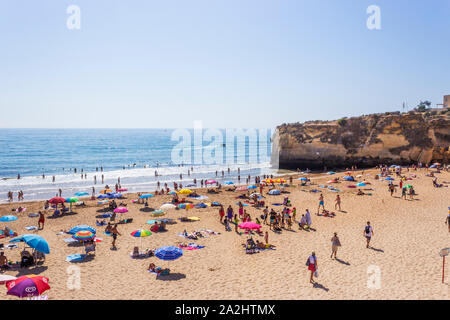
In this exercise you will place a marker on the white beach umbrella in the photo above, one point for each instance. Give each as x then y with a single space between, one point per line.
167 206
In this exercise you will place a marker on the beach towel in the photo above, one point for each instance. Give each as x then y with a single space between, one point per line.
107 233
277 204
11 246
75 257
33 215
191 246
29 228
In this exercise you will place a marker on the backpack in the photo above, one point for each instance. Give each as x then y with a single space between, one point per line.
367 229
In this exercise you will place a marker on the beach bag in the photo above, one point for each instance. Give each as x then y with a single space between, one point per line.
307 262
316 273
367 230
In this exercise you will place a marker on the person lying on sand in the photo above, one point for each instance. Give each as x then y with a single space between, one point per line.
261 245
153 268
360 193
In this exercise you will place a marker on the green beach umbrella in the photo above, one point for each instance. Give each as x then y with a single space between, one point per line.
72 200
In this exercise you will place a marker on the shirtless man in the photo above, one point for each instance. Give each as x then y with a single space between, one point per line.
114 232
3 261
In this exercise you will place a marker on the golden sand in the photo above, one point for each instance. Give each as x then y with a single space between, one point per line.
408 235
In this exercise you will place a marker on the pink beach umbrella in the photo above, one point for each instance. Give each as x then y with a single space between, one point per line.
122 190
242 189
121 210
210 182
250 226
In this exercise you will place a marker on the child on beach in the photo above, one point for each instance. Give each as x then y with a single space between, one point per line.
321 203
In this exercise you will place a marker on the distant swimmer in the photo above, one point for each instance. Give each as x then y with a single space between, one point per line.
18 176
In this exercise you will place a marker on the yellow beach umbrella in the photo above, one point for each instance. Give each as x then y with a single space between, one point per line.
185 191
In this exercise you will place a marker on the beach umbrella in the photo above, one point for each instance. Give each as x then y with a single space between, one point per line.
210 182
103 196
332 181
106 191
34 241
389 179
433 166
115 195
280 180
158 213
268 181
331 172
229 182
103 202
168 253
201 205
186 206
167 206
252 187
81 194
72 200
351 186
141 233
407 186
82 228
302 179
172 192
57 200
185 191
122 190
274 192
84 235
121 210
361 184
241 189
191 185
8 218
27 286
145 196
5 278
349 178
250 226
255 194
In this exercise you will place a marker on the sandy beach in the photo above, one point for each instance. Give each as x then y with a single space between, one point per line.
408 235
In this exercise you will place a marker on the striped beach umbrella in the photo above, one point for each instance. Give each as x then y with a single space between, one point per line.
27 286
82 228
141 233
186 206
168 253
84 235
158 213
106 191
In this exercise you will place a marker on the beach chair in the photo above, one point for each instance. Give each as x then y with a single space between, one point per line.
38 257
90 248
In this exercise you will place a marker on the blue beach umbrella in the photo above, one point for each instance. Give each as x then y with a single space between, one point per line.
348 178
82 228
302 179
34 241
191 185
115 195
168 253
81 194
331 172
252 187
103 196
229 182
361 184
389 179
145 196
8 218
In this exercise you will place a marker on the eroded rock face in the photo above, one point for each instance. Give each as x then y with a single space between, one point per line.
366 141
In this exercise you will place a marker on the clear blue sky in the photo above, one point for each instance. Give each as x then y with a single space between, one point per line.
243 63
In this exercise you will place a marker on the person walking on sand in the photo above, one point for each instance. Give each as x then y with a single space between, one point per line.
311 263
221 213
321 203
447 220
41 221
114 233
266 237
368 233
338 203
308 218
335 243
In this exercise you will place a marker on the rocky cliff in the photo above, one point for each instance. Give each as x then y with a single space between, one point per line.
366 141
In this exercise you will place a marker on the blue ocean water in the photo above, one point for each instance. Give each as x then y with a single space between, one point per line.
131 154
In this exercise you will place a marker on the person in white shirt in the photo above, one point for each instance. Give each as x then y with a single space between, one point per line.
368 233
